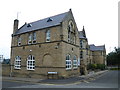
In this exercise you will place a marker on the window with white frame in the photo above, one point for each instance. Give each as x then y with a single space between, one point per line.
19 41
17 62
30 39
31 62
34 37
78 61
68 62
48 36
75 63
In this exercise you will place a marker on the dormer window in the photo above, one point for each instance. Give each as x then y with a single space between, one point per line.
49 20
29 25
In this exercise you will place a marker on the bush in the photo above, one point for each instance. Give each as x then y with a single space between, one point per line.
101 66
92 66
96 66
115 69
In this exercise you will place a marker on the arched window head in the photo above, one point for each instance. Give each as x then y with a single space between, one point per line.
71 32
31 62
17 62
71 26
68 62
75 62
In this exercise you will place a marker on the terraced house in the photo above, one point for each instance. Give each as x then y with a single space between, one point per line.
50 48
47 46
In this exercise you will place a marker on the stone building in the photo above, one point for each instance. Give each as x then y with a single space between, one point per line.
47 46
51 48
98 54
1 58
84 51
90 54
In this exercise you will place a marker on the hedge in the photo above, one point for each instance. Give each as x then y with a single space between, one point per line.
96 66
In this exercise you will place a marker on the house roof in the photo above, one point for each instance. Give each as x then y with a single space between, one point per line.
97 48
43 23
82 34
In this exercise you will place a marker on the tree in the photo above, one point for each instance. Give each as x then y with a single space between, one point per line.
114 57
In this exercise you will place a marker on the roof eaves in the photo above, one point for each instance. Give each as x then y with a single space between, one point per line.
35 30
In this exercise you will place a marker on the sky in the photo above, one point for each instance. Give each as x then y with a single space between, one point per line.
99 17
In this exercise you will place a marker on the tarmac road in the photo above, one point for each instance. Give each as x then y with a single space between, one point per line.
106 80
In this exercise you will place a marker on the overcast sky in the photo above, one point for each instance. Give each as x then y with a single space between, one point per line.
99 17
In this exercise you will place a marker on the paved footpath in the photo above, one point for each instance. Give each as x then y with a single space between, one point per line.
55 81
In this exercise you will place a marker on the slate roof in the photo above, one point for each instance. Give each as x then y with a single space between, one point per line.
81 35
97 48
43 23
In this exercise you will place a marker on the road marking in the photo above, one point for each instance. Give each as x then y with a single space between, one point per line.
91 79
85 81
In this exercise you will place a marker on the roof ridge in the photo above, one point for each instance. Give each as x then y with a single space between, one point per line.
47 17
42 23
100 45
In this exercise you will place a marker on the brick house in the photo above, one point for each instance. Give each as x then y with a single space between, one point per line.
46 46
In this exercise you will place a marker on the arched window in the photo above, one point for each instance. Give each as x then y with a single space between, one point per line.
71 32
68 62
17 62
75 62
31 62
48 36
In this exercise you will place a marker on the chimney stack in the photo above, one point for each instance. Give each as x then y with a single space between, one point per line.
15 27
